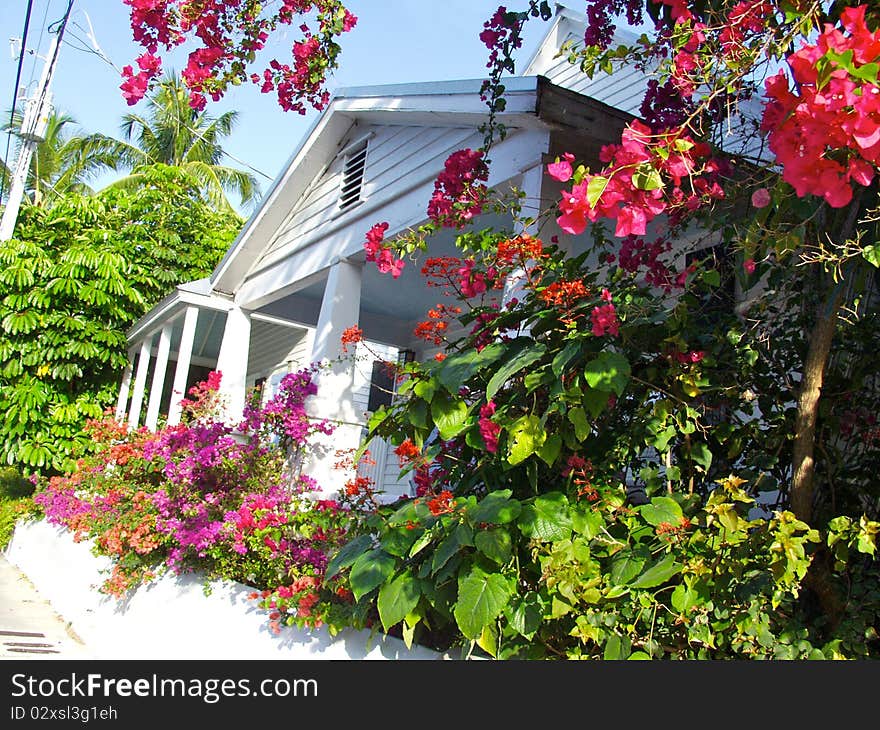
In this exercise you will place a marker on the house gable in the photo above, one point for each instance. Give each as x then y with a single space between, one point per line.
623 89
397 157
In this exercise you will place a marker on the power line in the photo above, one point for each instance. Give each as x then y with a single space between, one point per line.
61 25
39 43
27 21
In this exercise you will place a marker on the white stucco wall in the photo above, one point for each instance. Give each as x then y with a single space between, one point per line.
172 618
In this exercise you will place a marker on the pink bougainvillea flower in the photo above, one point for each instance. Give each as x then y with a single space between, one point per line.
749 266
561 169
761 198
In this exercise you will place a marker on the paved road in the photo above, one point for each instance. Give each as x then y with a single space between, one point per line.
29 627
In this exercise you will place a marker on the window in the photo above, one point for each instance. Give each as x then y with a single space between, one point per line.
353 176
381 385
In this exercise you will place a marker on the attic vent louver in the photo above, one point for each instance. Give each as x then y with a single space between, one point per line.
353 176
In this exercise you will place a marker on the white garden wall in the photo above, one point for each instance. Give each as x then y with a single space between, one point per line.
172 618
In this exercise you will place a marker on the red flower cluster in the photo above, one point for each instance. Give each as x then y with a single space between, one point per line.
442 503
473 282
489 430
581 472
230 33
380 253
669 532
351 336
636 252
496 31
407 452
564 293
827 133
689 358
440 270
604 317
561 169
632 188
459 194
519 250
745 18
434 328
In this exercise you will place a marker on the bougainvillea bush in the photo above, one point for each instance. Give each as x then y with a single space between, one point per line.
633 452
576 492
227 502
626 456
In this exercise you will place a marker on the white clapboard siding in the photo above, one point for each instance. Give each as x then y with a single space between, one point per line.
385 471
272 346
623 89
295 358
396 157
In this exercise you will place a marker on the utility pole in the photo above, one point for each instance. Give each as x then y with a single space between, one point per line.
33 128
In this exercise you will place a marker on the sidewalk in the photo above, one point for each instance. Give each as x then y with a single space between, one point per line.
29 627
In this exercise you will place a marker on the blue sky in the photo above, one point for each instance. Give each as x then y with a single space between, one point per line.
395 41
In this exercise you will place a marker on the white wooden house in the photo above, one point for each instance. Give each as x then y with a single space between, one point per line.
295 277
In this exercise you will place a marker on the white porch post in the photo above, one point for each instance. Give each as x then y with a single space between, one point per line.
232 362
140 383
340 309
532 181
181 372
159 378
124 386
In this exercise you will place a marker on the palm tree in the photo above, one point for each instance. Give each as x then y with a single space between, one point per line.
173 133
59 164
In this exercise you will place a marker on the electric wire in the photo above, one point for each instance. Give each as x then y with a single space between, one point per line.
60 25
27 20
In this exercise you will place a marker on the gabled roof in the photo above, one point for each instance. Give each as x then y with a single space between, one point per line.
455 103
531 102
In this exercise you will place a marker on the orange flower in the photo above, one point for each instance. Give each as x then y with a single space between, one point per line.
565 293
407 451
442 503
351 336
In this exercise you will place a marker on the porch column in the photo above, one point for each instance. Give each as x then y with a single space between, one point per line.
340 309
532 180
124 386
140 383
232 362
181 372
158 383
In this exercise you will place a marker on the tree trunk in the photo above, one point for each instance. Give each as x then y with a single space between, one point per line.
803 464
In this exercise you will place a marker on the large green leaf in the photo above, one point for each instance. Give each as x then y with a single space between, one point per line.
519 361
369 571
450 414
350 552
627 564
578 418
397 598
701 454
595 187
459 367
458 538
658 573
660 510
609 372
526 614
481 599
495 544
495 508
549 450
546 518
563 357
527 435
